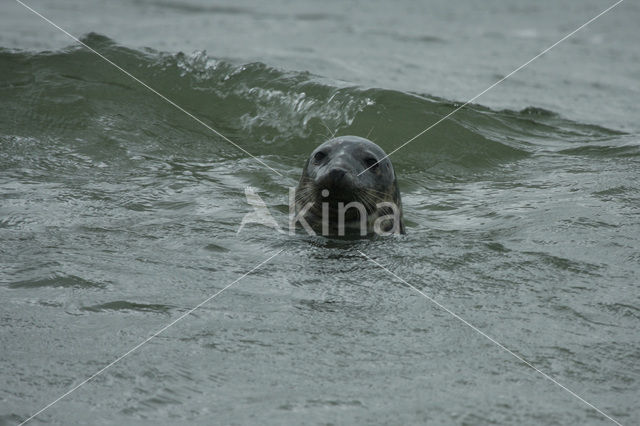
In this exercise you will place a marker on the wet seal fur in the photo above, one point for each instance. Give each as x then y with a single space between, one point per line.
344 170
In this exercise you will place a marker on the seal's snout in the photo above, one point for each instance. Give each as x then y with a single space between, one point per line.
336 177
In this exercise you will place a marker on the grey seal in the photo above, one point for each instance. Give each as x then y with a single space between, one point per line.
348 184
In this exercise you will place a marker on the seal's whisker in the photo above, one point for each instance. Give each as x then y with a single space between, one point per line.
370 202
373 196
332 135
306 193
377 192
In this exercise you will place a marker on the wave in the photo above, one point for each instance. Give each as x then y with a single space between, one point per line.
74 97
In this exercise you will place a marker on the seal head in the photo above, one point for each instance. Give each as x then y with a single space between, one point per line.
348 184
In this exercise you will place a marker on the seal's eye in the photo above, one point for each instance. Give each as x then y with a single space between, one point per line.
319 156
371 163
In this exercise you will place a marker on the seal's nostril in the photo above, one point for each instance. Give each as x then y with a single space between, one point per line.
336 174
333 178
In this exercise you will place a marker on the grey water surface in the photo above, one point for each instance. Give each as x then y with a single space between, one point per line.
119 213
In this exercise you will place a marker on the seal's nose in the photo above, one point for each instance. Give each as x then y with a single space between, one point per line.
334 178
336 175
